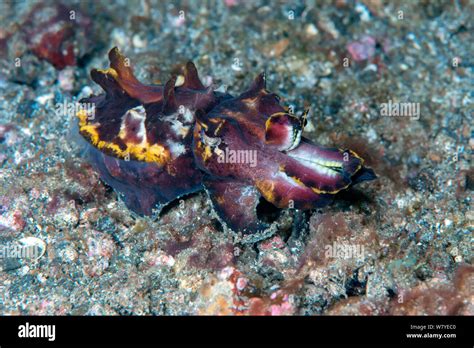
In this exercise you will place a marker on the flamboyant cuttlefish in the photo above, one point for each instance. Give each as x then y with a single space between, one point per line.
155 143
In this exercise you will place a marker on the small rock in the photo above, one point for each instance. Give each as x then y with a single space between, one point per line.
434 157
277 49
311 30
363 49
66 79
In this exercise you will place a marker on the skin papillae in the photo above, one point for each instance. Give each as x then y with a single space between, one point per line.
155 143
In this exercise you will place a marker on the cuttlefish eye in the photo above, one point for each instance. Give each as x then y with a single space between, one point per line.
283 130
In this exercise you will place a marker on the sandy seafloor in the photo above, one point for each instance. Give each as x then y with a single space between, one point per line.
412 227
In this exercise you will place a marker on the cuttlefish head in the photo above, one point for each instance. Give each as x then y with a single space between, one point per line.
251 147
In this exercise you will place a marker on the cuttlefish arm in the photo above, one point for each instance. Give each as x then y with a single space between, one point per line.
235 203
